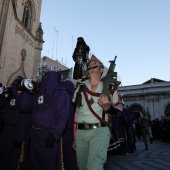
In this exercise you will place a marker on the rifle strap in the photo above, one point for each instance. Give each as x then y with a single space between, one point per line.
78 96
85 91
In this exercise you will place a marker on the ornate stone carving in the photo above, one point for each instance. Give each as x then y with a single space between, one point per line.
23 54
39 34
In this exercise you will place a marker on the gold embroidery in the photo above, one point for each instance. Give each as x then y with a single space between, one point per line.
21 158
61 154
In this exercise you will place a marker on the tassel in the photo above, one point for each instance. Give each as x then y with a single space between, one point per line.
61 154
78 99
21 158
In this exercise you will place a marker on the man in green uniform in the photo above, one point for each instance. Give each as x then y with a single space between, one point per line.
145 129
92 133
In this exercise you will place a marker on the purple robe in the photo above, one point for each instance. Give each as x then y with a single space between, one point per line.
124 145
129 129
25 104
2 107
117 137
69 155
49 117
9 153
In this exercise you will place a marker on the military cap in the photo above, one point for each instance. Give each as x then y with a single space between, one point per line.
94 58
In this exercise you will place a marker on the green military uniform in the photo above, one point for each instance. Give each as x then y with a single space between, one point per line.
146 131
92 144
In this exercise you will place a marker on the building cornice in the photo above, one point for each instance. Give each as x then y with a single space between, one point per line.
145 89
146 94
145 86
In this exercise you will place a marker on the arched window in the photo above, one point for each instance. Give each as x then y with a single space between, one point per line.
136 109
27 15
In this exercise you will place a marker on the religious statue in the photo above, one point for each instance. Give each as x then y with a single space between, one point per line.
80 57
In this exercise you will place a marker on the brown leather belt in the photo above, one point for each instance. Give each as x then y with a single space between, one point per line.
88 126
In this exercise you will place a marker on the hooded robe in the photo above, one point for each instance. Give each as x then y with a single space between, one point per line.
48 121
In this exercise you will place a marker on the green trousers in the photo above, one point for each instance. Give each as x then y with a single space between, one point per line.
146 132
91 148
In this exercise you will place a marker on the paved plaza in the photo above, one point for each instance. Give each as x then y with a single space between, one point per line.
157 157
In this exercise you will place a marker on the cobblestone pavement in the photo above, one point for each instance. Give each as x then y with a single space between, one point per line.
157 157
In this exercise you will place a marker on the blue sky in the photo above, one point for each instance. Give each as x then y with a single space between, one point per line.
136 31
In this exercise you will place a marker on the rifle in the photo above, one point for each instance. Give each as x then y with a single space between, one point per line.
110 79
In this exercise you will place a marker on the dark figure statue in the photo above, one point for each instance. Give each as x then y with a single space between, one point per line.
80 57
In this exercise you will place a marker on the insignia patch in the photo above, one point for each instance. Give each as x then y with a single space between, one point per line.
12 102
40 100
91 101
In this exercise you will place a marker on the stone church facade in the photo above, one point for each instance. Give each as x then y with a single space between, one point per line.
152 96
21 39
